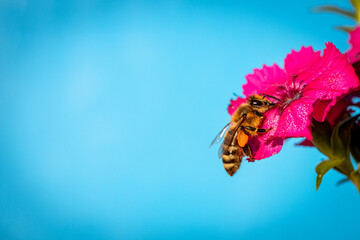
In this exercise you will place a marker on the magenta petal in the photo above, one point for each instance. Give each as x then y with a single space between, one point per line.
264 149
265 80
334 77
354 52
321 108
297 63
305 143
295 120
265 145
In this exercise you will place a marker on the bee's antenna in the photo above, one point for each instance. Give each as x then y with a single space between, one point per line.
235 95
265 95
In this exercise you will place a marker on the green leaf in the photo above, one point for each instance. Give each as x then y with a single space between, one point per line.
344 28
354 143
340 170
335 9
321 132
356 5
358 168
323 168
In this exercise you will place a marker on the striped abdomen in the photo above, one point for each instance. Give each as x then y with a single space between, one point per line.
232 153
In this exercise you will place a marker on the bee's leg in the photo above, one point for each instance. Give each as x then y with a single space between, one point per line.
258 114
257 129
248 152
243 117
244 130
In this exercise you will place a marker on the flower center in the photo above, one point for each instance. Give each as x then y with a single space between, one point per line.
290 92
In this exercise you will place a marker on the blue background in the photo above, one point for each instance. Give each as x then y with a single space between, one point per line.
107 109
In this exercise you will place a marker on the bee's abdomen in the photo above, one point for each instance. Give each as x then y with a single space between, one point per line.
231 163
232 153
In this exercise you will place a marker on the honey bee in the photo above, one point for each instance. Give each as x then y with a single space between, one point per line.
244 123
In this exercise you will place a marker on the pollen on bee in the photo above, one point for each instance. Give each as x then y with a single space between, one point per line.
242 139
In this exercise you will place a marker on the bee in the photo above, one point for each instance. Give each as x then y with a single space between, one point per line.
244 123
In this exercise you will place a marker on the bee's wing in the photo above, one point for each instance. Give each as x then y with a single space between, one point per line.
232 134
221 135
220 151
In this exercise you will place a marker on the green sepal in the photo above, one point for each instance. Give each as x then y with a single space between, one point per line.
323 168
340 138
342 181
355 143
321 133
335 9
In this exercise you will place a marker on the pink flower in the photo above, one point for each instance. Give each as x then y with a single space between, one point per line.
307 80
354 42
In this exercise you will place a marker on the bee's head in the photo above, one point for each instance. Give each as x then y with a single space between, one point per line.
260 103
